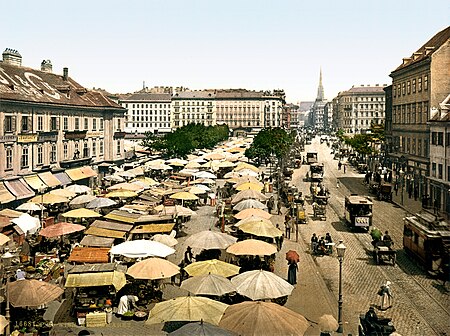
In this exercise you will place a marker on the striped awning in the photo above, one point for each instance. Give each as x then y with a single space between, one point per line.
49 179
5 195
35 182
63 178
75 174
19 188
88 171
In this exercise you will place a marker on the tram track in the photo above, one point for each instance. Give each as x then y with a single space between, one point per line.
405 274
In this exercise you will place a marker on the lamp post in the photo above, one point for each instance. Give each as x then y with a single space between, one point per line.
402 175
340 249
6 264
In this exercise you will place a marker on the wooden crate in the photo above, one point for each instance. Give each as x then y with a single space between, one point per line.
95 320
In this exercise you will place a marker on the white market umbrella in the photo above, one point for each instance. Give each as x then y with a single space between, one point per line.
205 174
209 284
82 199
78 189
141 249
27 223
30 206
210 240
249 204
100 202
260 285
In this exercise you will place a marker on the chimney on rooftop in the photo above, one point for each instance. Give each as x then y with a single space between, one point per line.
65 74
12 57
46 66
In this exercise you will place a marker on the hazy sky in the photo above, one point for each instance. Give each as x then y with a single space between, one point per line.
252 44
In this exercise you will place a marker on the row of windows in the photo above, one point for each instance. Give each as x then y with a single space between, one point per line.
150 112
146 105
147 125
416 113
438 173
142 118
437 139
410 86
26 124
412 146
193 103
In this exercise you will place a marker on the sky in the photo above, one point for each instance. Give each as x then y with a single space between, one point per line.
212 44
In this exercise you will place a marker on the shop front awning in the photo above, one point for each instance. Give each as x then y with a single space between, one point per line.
100 232
63 178
88 171
49 179
5 195
114 278
35 182
19 188
122 216
75 174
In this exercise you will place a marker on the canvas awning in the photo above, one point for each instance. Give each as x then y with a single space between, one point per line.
35 182
122 216
95 241
10 213
5 194
88 172
153 228
89 255
114 278
154 218
19 188
63 178
75 174
49 179
112 225
100 232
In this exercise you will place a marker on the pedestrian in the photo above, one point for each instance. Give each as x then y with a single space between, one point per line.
188 256
337 184
292 273
344 168
329 243
287 226
396 188
127 303
386 296
339 165
314 242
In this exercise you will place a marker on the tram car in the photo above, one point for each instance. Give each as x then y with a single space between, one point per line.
311 157
426 237
316 172
358 211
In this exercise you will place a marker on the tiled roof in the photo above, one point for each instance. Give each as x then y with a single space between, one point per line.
145 96
428 48
194 94
367 89
30 85
227 94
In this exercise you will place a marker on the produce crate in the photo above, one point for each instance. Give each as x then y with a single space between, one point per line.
96 320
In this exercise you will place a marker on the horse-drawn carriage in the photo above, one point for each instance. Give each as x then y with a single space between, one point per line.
320 211
385 192
383 252
319 194
316 172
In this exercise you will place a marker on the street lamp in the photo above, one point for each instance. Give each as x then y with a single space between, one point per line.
340 249
402 175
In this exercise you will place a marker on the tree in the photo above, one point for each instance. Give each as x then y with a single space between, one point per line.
270 141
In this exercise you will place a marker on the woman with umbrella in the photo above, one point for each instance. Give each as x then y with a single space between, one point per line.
293 258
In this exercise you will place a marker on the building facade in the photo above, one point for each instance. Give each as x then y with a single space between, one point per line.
328 116
148 112
50 121
360 107
440 157
419 85
193 107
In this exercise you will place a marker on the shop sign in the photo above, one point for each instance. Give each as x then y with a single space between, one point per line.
8 138
119 135
44 137
94 134
27 138
75 135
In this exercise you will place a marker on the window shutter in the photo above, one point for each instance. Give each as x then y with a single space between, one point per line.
13 124
30 123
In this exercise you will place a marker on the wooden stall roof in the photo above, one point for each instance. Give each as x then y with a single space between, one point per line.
89 255
153 228
100 232
149 198
95 241
154 219
10 213
112 225
92 268
114 278
138 207
122 216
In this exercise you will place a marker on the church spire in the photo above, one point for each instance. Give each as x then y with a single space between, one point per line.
320 94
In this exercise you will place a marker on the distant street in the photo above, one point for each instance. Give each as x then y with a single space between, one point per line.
421 305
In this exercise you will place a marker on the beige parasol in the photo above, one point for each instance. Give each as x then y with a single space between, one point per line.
260 285
250 185
252 247
210 284
49 199
126 186
212 267
252 219
153 268
248 194
81 213
210 240
60 229
263 318
252 212
187 308
121 194
261 228
63 193
32 293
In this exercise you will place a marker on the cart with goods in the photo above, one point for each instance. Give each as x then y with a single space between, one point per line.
320 211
